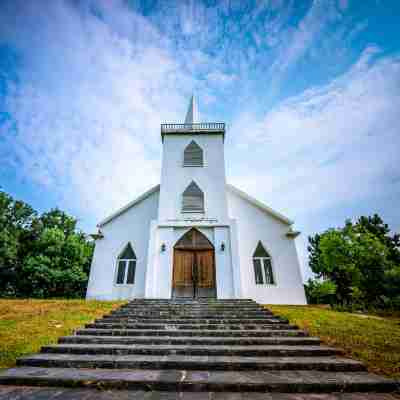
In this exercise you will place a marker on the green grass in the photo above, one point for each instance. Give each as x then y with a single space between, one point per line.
371 339
26 325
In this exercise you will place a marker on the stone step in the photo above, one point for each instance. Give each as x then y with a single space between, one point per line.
199 350
191 314
200 381
198 321
181 332
190 362
193 340
228 307
192 308
194 326
199 300
182 317
195 305
44 392
191 301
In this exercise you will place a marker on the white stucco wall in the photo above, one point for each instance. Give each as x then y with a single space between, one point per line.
131 226
254 224
210 178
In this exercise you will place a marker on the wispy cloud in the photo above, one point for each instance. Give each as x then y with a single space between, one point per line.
330 147
86 108
312 119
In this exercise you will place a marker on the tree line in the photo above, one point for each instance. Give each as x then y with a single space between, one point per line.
357 266
41 255
44 255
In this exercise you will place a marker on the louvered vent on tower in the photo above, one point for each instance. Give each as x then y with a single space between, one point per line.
193 155
193 199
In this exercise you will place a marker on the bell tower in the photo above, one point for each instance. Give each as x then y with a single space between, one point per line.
193 171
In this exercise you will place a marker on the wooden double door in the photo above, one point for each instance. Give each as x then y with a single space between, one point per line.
194 267
194 273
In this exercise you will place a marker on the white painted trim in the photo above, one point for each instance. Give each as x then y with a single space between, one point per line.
128 206
260 205
265 283
124 284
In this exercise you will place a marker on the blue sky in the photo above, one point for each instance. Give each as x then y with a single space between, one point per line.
310 91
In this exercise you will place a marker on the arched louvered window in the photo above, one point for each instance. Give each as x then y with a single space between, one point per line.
193 199
126 266
262 266
193 155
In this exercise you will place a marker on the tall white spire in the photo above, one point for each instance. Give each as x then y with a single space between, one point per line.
192 115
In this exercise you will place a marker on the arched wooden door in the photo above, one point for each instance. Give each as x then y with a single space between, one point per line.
194 266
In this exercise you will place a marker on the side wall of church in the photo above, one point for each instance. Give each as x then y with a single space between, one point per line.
132 226
254 225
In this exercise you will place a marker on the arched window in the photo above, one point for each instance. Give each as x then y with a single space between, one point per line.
192 199
262 266
193 155
126 266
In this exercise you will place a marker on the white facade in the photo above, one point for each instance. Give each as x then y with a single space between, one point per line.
232 221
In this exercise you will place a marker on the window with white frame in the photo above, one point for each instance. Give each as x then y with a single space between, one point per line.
126 266
262 266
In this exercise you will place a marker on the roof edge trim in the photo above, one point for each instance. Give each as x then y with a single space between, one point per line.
128 206
260 205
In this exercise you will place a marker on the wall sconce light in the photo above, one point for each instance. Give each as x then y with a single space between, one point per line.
222 246
163 247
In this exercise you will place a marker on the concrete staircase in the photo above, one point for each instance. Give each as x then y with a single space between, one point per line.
195 346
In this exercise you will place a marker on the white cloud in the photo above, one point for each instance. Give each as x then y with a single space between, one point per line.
221 78
296 42
92 90
88 105
328 148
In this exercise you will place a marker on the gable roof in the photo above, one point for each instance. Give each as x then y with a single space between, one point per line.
128 206
231 188
260 205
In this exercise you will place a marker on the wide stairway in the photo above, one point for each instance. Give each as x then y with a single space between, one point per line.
194 346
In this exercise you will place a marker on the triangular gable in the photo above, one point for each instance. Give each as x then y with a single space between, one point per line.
260 251
129 205
260 205
231 188
127 253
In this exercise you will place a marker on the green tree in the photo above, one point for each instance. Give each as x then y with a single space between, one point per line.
337 263
56 269
320 291
56 218
361 259
41 256
16 219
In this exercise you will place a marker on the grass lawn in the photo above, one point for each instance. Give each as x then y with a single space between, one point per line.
374 340
26 325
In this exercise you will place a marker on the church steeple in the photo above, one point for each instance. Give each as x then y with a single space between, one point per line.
192 115
192 124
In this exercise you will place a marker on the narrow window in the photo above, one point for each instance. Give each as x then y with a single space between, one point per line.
193 199
193 155
262 266
126 266
258 271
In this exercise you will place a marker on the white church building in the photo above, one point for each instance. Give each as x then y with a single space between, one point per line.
194 235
